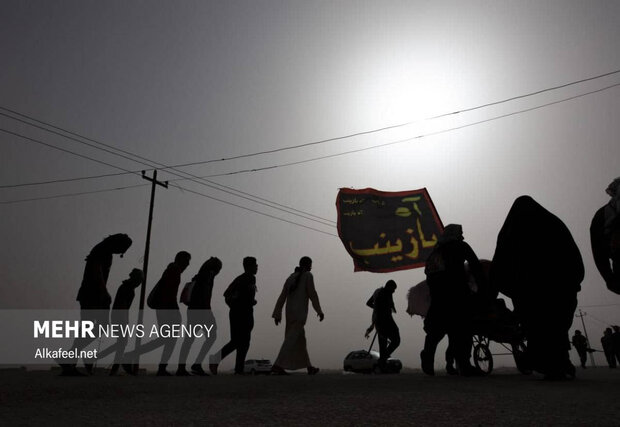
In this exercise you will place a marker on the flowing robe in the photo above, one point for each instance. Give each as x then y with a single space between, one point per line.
293 353
538 264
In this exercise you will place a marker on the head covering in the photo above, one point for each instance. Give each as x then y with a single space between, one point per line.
118 243
451 232
613 189
137 274
113 244
535 253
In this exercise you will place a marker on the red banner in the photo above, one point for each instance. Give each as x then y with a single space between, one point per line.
387 231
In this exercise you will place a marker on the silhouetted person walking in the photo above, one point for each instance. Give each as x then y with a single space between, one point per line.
163 299
93 294
605 238
450 295
538 264
120 316
607 342
581 345
297 291
199 313
240 297
382 304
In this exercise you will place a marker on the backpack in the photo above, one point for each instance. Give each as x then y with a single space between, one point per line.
434 263
152 301
186 293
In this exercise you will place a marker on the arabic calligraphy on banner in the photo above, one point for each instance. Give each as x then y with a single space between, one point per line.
387 231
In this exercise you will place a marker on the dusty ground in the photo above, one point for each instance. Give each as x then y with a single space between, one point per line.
504 398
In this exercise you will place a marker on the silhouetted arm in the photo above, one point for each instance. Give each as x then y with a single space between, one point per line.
371 301
231 294
101 284
314 297
475 267
600 248
277 311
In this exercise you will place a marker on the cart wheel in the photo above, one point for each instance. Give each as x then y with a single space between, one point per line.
519 352
483 358
481 339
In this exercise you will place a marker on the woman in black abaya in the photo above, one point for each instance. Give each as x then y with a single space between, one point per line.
538 265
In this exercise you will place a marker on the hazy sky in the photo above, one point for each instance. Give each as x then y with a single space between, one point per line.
182 82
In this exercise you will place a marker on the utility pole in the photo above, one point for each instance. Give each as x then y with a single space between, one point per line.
145 267
585 332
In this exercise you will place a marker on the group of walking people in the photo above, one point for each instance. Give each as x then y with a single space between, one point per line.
610 342
536 263
95 303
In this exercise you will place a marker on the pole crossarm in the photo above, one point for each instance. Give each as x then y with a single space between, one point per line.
154 179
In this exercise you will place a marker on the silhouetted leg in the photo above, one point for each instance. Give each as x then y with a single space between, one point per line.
206 346
98 317
242 351
427 355
554 317
394 339
230 346
168 317
389 339
456 345
121 318
189 340
449 356
611 358
209 319
460 338
118 348
144 348
450 368
236 332
243 340
583 358
162 318
121 344
383 345
434 326
185 348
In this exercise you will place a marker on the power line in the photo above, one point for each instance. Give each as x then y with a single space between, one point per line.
372 147
164 167
59 196
116 167
56 181
252 210
603 322
598 305
466 110
213 185
175 186
72 138
64 150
